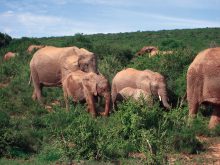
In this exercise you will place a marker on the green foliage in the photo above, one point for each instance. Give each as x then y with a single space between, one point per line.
28 130
171 44
80 41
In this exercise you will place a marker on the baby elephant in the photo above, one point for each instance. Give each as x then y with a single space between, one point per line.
84 86
134 93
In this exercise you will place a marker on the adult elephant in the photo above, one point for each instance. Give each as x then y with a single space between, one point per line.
203 83
147 80
50 65
147 49
84 86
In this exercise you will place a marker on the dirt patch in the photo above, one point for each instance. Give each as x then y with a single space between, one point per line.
213 151
211 155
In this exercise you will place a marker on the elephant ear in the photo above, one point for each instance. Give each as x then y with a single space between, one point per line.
89 82
145 85
83 63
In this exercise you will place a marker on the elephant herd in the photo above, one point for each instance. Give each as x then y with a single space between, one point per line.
152 51
75 70
30 50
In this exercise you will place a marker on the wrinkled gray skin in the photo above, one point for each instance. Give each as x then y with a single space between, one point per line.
203 84
84 86
149 81
50 65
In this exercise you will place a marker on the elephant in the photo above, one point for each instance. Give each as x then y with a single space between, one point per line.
147 49
9 55
32 48
50 65
135 94
147 80
81 86
203 87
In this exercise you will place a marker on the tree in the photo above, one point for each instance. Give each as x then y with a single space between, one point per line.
4 39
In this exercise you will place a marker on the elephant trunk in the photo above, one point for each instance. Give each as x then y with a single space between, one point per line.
93 65
163 97
92 69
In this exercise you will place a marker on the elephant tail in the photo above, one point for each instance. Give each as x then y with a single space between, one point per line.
30 79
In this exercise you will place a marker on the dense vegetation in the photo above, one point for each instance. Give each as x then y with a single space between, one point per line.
4 39
42 134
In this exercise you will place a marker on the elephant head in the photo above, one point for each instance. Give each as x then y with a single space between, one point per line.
156 85
78 59
98 85
87 63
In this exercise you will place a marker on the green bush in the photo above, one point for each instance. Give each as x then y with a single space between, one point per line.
80 41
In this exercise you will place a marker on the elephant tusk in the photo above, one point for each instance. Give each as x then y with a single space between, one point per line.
160 97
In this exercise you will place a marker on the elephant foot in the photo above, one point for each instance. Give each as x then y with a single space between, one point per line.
34 96
215 118
94 115
104 114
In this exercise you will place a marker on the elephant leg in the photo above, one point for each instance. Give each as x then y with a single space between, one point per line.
37 86
90 102
91 106
34 95
193 108
215 117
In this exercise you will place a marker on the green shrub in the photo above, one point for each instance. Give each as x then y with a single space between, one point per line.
80 41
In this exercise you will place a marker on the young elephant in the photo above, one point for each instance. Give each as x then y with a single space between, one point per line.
147 80
84 86
134 93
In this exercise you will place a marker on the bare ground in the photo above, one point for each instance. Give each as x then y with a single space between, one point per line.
211 155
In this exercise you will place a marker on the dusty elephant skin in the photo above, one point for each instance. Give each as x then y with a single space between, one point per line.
147 80
50 65
203 83
84 86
